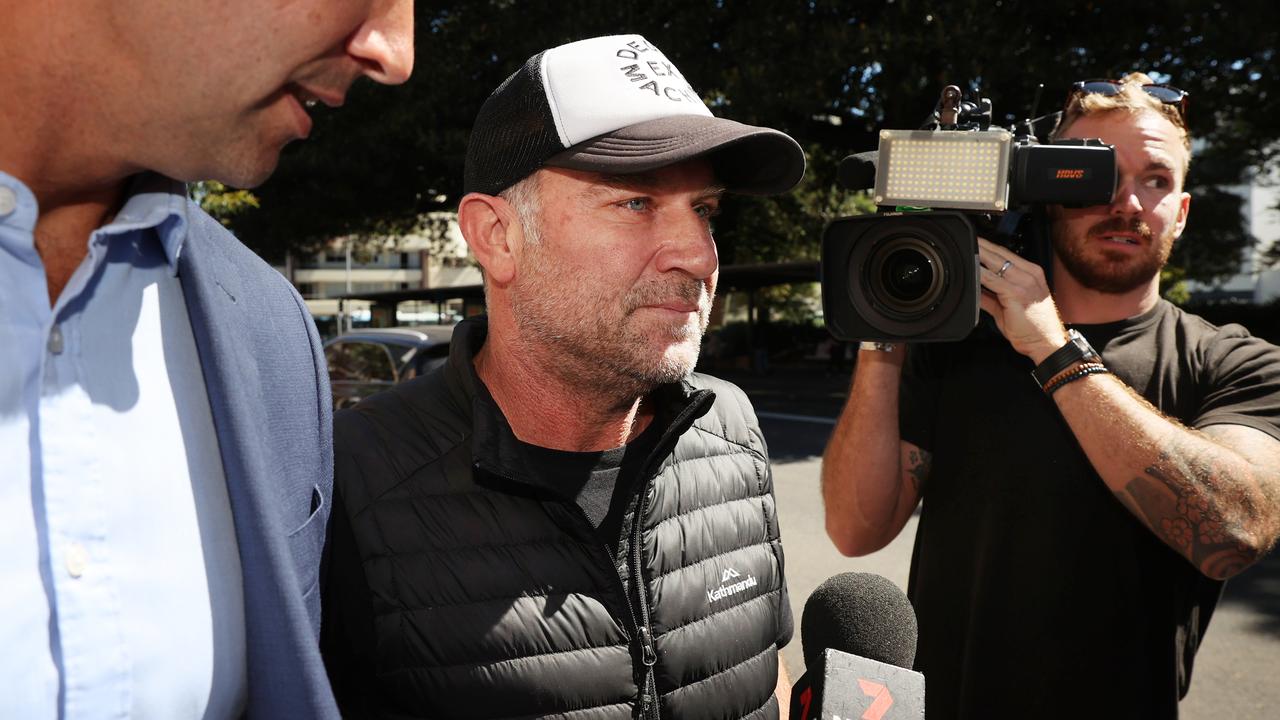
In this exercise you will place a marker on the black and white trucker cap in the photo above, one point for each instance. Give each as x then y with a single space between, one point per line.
616 105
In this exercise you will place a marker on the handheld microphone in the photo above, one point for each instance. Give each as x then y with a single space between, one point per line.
858 633
858 172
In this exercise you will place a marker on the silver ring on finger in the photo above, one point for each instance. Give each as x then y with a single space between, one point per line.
1004 268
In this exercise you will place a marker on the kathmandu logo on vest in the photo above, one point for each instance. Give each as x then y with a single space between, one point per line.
730 584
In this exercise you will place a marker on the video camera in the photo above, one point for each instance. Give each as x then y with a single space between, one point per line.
910 272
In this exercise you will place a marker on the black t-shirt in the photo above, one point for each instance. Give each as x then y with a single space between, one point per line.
1038 593
601 483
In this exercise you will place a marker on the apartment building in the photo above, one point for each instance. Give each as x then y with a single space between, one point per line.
348 265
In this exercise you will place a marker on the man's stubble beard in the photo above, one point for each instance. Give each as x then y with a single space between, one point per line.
584 342
1103 274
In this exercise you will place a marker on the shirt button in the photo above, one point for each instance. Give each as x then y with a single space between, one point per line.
55 340
77 560
8 201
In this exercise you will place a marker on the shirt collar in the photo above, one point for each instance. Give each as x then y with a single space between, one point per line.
154 201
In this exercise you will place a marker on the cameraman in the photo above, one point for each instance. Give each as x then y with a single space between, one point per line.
1078 525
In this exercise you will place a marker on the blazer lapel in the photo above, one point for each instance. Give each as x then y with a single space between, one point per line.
286 675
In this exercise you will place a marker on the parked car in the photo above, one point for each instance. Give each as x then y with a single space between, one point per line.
370 360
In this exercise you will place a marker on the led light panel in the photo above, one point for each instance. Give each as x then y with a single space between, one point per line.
944 169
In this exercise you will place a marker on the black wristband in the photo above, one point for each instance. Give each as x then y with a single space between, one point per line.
1076 349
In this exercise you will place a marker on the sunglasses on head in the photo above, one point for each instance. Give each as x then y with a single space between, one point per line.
1166 94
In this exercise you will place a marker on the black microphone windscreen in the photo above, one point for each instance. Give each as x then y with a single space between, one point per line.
860 614
858 172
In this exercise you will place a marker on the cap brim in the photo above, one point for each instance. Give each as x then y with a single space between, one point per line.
747 159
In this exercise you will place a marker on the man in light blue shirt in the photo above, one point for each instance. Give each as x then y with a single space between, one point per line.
165 453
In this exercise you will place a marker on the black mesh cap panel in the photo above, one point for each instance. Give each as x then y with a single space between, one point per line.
513 135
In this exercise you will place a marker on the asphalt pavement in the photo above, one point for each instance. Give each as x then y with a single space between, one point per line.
1237 671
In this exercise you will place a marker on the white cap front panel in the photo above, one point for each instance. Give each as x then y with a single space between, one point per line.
603 84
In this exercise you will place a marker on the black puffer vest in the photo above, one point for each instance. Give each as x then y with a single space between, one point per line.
493 598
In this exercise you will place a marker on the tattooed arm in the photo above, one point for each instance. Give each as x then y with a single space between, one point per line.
871 479
1213 496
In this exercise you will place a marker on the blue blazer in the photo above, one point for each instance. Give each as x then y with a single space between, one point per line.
269 391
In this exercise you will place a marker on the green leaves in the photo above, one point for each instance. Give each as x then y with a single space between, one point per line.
830 74
222 202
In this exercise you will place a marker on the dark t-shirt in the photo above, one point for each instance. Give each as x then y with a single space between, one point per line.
1038 594
601 483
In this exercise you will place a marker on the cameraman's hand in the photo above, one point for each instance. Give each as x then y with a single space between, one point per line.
1016 294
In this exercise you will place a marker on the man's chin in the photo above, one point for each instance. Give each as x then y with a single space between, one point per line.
244 167
679 361
1114 278
253 173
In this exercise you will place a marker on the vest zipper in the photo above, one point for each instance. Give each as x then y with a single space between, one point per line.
649 654
638 630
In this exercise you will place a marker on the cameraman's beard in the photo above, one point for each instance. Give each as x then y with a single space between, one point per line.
1113 273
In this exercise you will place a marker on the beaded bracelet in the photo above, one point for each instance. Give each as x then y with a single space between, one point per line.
1083 370
1058 376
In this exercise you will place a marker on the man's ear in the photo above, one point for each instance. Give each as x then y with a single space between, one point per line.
489 225
1184 209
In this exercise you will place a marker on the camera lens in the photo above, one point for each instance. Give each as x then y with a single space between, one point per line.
906 276
901 276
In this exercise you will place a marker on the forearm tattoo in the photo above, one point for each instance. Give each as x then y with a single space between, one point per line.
1179 499
918 464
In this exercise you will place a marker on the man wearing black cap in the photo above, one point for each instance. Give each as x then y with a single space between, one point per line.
564 519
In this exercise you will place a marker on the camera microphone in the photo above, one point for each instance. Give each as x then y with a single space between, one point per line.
858 172
858 633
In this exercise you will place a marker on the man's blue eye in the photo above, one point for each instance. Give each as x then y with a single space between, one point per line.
636 204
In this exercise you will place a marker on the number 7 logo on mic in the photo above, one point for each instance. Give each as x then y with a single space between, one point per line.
881 699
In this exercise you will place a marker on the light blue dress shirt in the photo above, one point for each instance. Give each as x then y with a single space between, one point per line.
120 585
